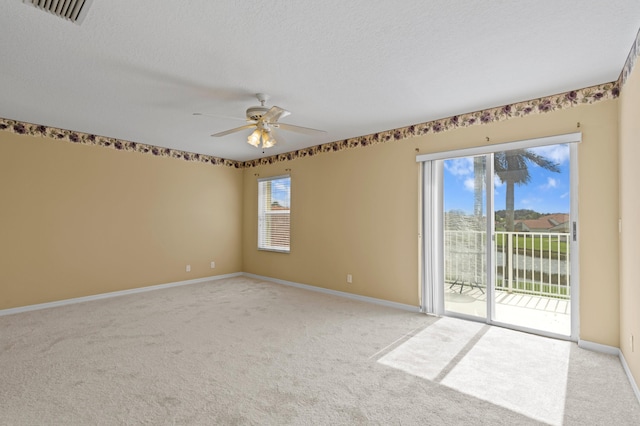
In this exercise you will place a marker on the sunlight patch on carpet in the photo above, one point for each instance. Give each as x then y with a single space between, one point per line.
540 365
429 352
521 372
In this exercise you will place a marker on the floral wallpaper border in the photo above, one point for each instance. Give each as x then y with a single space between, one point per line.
630 63
588 95
22 128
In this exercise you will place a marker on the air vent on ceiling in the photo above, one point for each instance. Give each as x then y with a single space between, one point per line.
72 10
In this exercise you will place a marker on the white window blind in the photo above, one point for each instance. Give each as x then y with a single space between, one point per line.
274 213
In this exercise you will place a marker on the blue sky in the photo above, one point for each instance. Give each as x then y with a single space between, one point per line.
281 191
548 192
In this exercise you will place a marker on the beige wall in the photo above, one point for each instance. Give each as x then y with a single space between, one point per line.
629 213
356 211
352 212
79 220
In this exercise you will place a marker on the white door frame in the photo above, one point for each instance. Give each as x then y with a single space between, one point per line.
432 272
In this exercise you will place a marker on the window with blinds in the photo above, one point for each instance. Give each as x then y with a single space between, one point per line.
274 213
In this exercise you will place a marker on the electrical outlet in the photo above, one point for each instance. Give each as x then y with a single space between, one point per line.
188 268
349 278
213 265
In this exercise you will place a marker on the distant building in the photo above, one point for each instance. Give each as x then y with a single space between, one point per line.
558 222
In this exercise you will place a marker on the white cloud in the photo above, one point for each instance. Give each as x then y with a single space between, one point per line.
469 184
551 183
556 153
459 166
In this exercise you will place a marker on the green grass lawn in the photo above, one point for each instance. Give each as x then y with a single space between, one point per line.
530 243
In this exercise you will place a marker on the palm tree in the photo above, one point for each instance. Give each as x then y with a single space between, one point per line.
512 167
479 168
478 184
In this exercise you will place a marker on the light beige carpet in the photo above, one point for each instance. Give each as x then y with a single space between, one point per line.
243 351
483 361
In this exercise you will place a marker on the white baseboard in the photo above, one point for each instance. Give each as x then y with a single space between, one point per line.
55 304
584 344
352 296
634 385
597 347
612 350
64 302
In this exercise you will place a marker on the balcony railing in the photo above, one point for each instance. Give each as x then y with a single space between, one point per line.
525 262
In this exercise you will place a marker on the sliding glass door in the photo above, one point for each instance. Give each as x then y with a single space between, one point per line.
501 235
464 236
532 238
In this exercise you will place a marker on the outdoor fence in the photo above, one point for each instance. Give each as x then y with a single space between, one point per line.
525 262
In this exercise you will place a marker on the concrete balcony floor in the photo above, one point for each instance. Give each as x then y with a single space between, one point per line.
524 310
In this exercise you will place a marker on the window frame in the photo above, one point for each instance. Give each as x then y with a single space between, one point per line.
263 213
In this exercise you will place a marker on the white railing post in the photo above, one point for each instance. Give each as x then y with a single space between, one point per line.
510 261
533 263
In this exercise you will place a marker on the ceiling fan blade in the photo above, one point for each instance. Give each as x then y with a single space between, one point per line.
274 114
299 129
237 129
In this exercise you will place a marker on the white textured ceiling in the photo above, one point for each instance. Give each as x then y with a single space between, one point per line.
137 70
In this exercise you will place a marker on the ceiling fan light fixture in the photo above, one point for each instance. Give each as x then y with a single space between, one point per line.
267 140
262 119
254 138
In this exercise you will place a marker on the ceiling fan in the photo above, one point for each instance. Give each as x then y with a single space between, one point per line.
265 121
